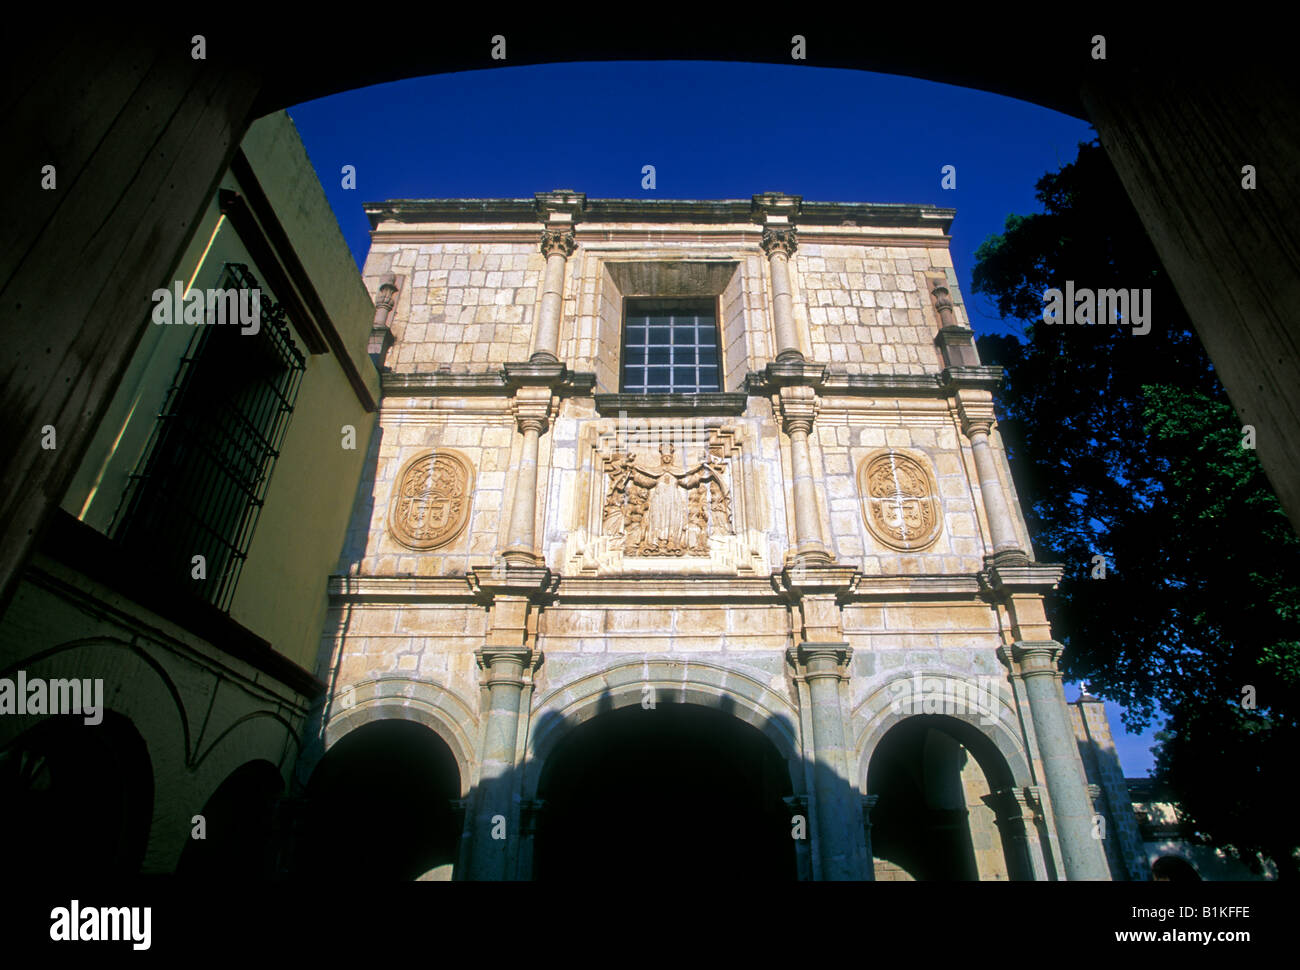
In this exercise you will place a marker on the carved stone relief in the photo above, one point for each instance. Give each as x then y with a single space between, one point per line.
660 508
900 500
431 499
665 495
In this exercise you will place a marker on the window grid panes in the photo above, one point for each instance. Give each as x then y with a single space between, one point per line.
670 348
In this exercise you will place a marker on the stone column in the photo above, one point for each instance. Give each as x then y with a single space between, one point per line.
776 213
824 665
798 406
1082 855
559 210
557 245
385 301
779 244
504 669
381 337
532 408
1006 547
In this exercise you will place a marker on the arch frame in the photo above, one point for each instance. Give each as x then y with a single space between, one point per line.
699 684
997 746
438 708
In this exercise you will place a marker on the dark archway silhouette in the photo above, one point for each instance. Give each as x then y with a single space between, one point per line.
76 800
239 827
1173 869
381 805
664 792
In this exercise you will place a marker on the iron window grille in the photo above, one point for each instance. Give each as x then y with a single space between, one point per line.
201 480
670 346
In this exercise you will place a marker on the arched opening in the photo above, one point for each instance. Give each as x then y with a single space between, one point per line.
1170 868
239 827
380 805
76 800
670 790
936 815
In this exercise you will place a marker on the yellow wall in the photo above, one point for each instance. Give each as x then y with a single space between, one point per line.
281 594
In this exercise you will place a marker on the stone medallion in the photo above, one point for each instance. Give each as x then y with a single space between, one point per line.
430 505
900 500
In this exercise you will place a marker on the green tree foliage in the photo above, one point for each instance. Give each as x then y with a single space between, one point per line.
1126 447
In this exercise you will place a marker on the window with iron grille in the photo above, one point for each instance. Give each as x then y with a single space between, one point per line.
670 346
200 483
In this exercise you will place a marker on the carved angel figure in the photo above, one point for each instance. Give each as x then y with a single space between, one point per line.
665 511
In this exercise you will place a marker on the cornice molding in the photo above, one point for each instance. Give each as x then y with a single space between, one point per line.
699 212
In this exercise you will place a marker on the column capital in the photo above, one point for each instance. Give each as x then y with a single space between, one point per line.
815 661
1037 657
558 239
1021 803
531 407
977 422
799 405
387 292
500 663
779 241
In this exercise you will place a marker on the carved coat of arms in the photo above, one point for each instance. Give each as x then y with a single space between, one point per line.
431 502
900 502
659 508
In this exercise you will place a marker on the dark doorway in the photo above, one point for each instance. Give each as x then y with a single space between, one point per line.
76 800
238 827
379 805
664 793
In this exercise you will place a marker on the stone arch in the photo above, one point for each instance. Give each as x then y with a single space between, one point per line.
257 736
153 694
138 688
438 708
675 682
77 799
996 745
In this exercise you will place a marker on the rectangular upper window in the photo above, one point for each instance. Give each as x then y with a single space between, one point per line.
670 346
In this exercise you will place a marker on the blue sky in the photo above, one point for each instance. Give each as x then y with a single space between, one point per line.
712 131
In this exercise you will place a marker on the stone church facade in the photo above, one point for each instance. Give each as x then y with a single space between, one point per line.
726 473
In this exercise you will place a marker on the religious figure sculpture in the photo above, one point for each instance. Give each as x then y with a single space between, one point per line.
665 510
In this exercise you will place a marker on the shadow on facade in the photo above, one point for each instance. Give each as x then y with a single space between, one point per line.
626 791
618 789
